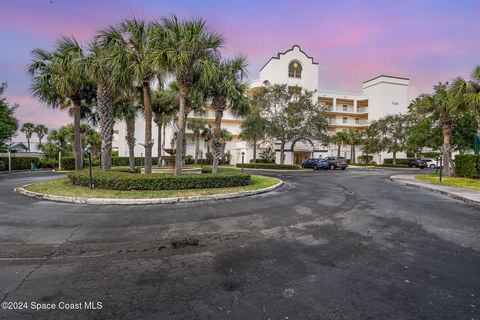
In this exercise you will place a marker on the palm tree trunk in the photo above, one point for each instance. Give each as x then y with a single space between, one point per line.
254 150
446 149
148 126
353 154
158 121
197 146
105 112
217 144
28 144
394 160
338 151
181 132
282 153
131 142
77 148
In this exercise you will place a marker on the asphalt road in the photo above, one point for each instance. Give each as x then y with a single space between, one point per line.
326 245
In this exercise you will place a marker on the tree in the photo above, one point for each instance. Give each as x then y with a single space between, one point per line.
253 129
225 136
339 139
190 51
446 102
207 134
289 115
470 91
197 126
41 131
8 122
425 133
28 129
60 138
135 59
164 107
60 83
373 143
354 138
228 92
127 105
94 139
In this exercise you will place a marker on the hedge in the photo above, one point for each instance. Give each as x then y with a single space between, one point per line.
468 166
139 161
269 166
25 163
131 181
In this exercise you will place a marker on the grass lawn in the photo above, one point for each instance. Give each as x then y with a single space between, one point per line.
62 187
453 181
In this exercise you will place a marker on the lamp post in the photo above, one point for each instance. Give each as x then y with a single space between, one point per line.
88 150
243 159
201 159
59 158
441 168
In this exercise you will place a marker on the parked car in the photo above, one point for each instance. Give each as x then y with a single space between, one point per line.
417 163
316 163
337 162
431 163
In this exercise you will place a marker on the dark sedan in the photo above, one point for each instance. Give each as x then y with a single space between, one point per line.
316 164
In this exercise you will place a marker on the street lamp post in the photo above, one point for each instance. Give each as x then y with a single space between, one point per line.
243 159
88 149
441 168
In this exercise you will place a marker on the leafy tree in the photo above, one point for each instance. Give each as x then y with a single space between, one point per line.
8 122
463 135
470 91
41 131
60 83
289 115
189 52
373 140
425 134
339 139
253 129
28 129
228 92
446 102
197 126
135 57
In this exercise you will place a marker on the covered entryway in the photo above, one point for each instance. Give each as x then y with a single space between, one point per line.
300 156
302 149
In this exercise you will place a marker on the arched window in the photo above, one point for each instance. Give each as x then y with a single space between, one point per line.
294 70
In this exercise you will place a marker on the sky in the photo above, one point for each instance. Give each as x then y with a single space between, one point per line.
352 40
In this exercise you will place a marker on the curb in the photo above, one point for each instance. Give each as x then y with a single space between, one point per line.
425 186
275 170
109 201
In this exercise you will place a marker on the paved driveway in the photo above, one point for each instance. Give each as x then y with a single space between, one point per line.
327 245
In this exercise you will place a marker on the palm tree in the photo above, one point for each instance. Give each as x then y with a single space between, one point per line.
164 107
207 134
225 136
60 83
471 94
135 59
253 129
97 66
339 138
28 129
126 107
41 131
354 137
197 125
190 51
94 139
228 92
445 103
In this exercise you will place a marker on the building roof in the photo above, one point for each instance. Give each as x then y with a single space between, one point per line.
291 49
387 76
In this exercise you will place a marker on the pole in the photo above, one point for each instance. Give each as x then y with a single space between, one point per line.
59 160
9 160
90 170
201 159
441 168
243 159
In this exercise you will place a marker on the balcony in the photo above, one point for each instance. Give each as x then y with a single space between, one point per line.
352 123
342 109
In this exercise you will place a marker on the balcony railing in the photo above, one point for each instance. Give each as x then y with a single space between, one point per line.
348 122
349 109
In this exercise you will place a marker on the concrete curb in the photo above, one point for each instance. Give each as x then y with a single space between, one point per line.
275 170
109 201
462 194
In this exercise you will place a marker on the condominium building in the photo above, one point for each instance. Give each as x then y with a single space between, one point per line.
380 96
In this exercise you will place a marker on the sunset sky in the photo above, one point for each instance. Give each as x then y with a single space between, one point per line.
426 41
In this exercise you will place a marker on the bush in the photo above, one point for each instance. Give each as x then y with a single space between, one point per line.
389 165
262 161
21 163
269 166
131 181
468 166
139 161
115 154
366 159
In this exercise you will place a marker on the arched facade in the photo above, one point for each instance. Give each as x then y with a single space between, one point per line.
295 69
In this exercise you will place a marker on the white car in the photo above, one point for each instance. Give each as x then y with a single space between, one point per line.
431 163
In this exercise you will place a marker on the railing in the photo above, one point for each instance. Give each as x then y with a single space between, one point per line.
348 123
362 109
349 109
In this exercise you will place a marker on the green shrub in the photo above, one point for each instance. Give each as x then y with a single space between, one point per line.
115 154
131 181
468 166
389 165
21 163
269 166
139 161
124 169
365 159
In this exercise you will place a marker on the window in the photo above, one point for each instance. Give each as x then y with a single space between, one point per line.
345 107
344 119
294 70
295 90
357 120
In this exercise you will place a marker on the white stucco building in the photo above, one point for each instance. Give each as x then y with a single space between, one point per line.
379 96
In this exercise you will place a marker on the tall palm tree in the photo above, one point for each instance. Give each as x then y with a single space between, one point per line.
354 138
207 134
227 92
164 107
28 129
60 83
339 138
127 105
471 94
135 58
197 125
41 131
190 51
444 103
97 65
